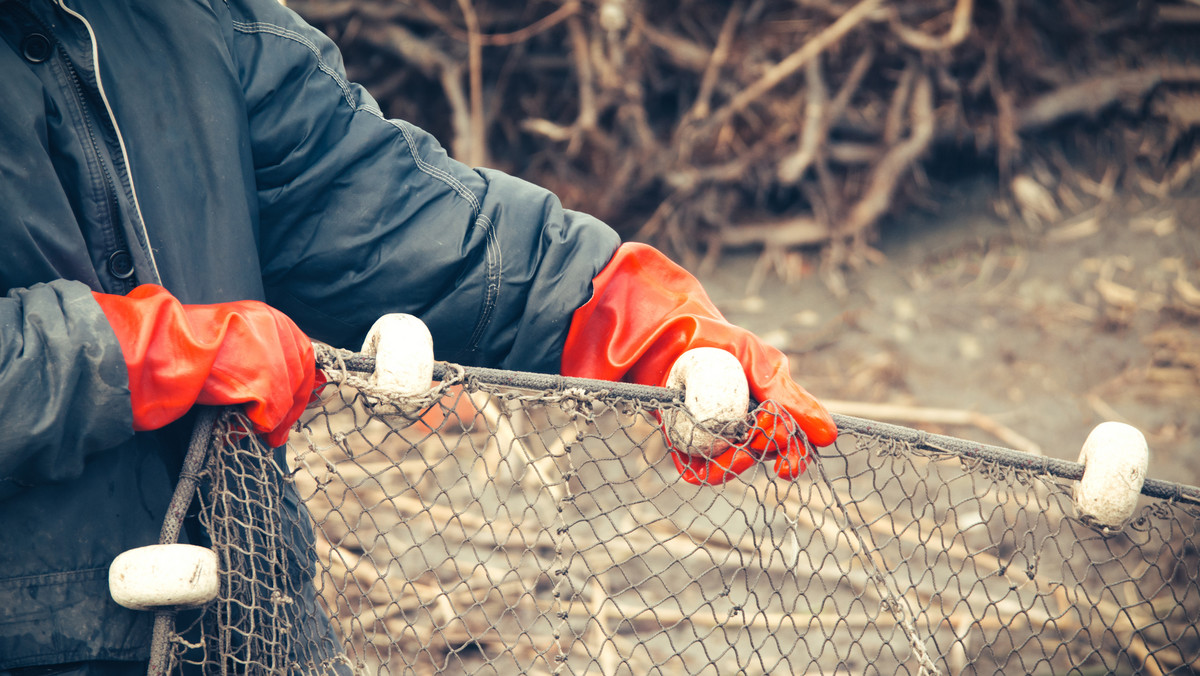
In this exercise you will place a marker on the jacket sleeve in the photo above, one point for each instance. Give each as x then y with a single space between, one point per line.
362 215
63 384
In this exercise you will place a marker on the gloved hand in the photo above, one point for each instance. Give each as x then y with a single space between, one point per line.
644 313
229 353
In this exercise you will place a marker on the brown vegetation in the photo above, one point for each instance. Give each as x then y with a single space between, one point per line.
789 125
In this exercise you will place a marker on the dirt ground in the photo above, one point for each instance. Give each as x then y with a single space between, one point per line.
1047 331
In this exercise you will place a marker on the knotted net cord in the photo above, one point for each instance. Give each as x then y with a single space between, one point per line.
537 525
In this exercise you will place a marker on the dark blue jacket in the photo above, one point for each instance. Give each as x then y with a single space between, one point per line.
216 148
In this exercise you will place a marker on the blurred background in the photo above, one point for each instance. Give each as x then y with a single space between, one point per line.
980 218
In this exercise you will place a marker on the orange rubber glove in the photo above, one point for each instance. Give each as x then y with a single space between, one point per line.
229 353
644 313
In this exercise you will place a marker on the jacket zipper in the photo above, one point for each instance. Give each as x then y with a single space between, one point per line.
113 201
112 120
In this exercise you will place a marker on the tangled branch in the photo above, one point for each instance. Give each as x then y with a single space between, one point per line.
784 124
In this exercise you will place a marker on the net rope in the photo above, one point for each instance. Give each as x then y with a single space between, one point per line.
519 523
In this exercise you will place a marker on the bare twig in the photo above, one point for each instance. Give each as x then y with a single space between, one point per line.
568 9
1008 144
812 135
585 120
436 65
720 53
583 71
680 51
476 149
785 232
878 194
960 27
898 108
1182 173
796 60
851 84
1086 97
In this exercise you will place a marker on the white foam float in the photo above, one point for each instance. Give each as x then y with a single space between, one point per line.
1115 459
715 393
403 351
164 576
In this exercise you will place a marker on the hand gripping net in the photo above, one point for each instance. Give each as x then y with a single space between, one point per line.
545 531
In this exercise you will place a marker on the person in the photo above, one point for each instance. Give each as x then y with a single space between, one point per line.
190 193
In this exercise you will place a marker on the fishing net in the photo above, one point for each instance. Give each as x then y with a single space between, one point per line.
502 530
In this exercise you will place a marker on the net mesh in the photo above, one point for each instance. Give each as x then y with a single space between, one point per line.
503 531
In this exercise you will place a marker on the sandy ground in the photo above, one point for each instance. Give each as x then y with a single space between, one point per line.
1048 331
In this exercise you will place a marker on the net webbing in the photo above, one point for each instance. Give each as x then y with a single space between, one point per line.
546 531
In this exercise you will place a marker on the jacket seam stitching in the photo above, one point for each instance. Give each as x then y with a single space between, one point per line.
493 277
54 577
118 654
425 167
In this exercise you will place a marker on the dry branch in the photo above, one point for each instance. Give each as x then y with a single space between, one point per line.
960 26
797 60
888 170
671 122
474 151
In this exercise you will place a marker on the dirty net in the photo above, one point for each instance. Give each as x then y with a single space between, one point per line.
492 530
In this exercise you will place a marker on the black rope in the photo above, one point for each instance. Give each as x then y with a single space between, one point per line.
538 381
1037 464
189 477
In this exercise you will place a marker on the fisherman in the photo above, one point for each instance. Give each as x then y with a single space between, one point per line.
189 192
